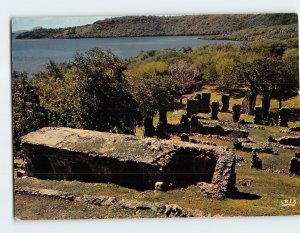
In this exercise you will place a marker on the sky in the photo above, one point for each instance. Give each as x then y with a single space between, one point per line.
28 23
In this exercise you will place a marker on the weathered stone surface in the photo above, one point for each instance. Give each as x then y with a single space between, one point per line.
295 129
161 131
184 137
169 210
258 147
256 162
44 193
184 121
64 153
20 173
205 103
225 103
215 110
236 112
245 182
283 117
292 141
258 115
295 165
192 106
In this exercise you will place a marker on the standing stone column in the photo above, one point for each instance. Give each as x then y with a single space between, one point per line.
225 102
205 103
161 131
184 121
258 115
236 112
214 110
283 117
295 164
192 106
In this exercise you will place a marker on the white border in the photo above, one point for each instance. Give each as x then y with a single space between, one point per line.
10 8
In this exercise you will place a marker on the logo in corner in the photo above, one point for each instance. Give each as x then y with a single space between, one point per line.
288 203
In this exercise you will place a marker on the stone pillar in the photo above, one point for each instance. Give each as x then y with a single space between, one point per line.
205 103
149 129
236 112
266 102
192 106
225 102
258 115
283 117
214 110
255 161
295 164
184 137
184 121
161 131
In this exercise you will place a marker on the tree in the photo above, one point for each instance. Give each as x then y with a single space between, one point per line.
186 75
28 114
155 93
103 92
270 77
90 92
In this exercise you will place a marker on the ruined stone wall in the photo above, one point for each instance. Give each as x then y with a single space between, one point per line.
50 163
72 154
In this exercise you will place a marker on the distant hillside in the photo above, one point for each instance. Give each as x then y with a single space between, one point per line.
129 26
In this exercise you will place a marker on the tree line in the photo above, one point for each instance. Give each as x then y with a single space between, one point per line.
98 90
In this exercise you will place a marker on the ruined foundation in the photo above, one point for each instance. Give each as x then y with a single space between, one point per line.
73 154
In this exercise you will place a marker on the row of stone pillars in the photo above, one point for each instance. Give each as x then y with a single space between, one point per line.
201 104
282 120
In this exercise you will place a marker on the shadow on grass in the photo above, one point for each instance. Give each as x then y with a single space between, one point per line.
245 196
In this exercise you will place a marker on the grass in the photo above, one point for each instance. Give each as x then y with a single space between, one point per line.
35 208
263 197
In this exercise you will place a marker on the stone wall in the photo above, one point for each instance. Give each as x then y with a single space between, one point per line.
64 153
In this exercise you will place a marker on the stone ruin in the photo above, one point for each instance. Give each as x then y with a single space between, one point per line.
194 125
258 115
198 104
295 164
283 117
236 112
225 103
84 155
215 108
256 162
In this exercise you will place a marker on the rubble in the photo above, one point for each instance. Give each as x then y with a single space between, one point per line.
169 210
291 141
245 182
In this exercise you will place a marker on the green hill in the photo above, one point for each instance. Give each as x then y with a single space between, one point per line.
219 26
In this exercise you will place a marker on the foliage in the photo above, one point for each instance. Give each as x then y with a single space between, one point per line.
155 92
89 92
28 114
187 76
